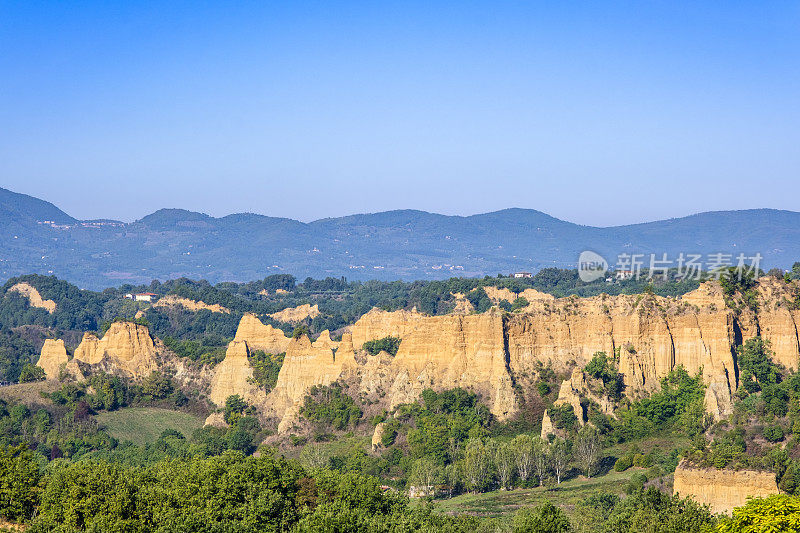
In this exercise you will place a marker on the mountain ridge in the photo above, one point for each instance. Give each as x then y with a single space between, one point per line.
406 244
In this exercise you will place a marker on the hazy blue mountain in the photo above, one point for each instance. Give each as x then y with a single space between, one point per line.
37 237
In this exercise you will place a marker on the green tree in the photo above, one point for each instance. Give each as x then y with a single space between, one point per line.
31 373
477 465
560 456
755 364
587 449
234 408
776 513
425 475
19 483
544 519
504 463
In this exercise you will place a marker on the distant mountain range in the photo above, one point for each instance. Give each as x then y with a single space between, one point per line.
37 237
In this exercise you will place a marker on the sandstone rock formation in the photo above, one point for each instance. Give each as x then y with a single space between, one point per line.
172 300
234 376
306 364
442 352
462 306
570 394
260 336
296 314
722 490
34 298
126 347
495 354
377 436
53 356
532 295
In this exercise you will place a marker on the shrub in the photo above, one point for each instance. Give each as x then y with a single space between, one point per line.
331 406
31 373
389 345
623 463
773 433
563 417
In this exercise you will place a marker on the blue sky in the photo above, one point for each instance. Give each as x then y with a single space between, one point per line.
600 113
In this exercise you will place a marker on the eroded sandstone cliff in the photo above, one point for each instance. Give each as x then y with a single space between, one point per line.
495 354
126 346
34 298
722 490
260 336
234 376
172 300
53 356
492 353
297 314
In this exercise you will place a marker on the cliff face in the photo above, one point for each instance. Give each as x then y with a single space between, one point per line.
126 347
54 354
651 333
233 376
172 300
441 353
260 336
34 298
722 489
494 354
297 314
491 352
306 364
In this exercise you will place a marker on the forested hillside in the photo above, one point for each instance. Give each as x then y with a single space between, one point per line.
605 463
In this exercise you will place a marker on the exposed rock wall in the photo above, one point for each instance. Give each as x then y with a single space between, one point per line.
722 490
306 364
651 334
171 300
297 314
260 336
34 298
54 354
441 353
494 353
233 375
126 347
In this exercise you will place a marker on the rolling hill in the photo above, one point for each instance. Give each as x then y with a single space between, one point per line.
37 237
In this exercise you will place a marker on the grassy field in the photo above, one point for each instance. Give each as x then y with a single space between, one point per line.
566 495
29 393
141 425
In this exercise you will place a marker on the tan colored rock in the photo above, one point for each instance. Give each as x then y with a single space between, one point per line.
570 394
34 298
172 300
547 425
495 295
652 335
296 314
532 295
306 364
53 356
722 490
377 435
216 420
443 352
260 336
233 375
126 346
462 306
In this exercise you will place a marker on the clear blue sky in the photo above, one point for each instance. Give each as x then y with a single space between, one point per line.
598 112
